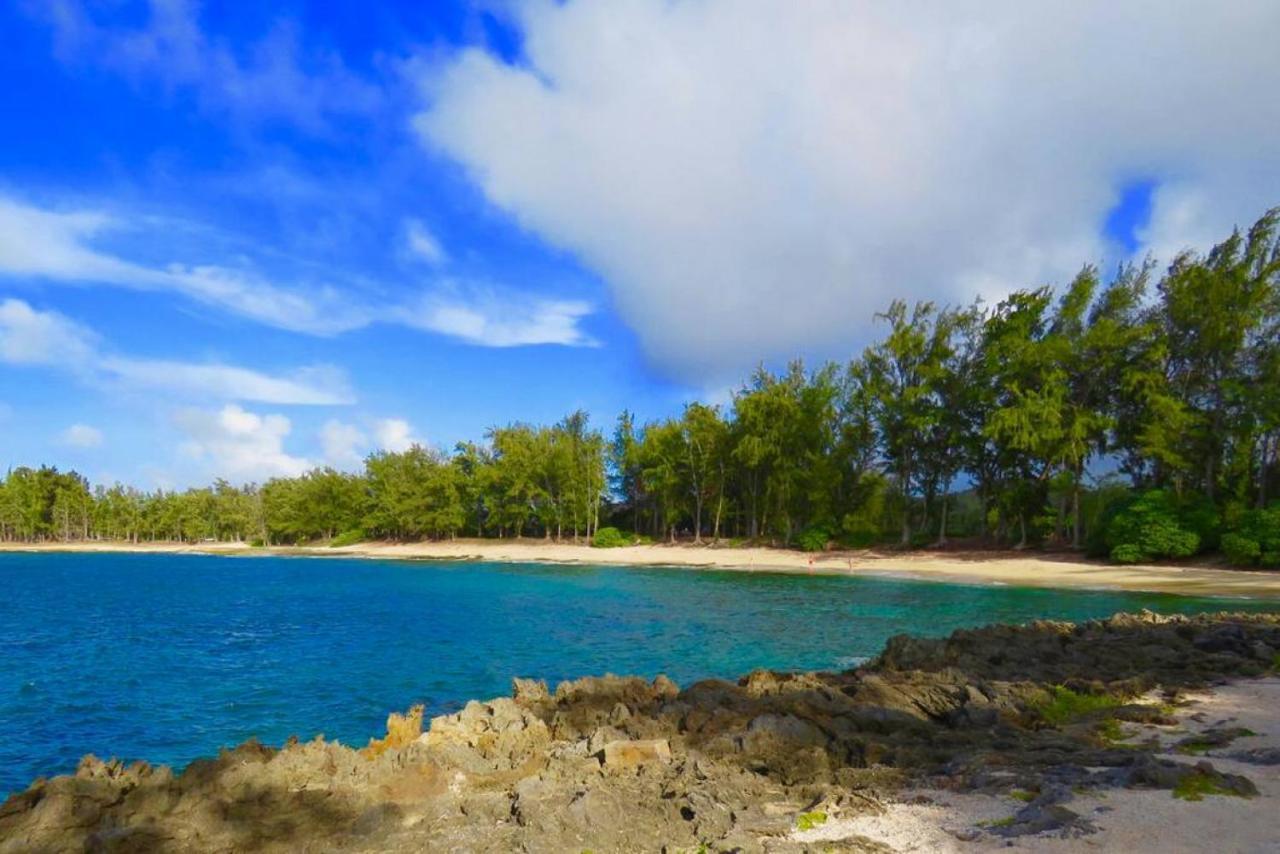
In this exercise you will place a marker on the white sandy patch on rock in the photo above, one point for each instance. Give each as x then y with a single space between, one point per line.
1128 820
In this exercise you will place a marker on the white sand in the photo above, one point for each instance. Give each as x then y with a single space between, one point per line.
1128 820
1011 568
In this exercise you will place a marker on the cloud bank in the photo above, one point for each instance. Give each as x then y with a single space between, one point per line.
755 179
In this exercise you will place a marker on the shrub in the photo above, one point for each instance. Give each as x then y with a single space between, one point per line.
813 539
349 538
257 543
1255 538
1149 526
609 538
1240 550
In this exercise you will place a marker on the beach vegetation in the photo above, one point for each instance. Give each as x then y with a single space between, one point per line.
810 820
349 538
1062 705
985 423
813 539
1196 785
610 538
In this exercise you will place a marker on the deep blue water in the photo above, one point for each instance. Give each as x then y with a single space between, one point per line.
169 657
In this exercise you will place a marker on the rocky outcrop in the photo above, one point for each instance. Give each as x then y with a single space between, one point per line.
623 763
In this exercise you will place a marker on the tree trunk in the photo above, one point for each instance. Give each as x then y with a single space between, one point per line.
1076 521
942 525
715 531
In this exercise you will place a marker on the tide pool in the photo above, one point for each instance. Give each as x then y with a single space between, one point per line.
170 657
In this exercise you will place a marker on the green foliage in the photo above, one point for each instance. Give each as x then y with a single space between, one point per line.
610 538
813 539
1110 731
1022 795
1149 526
810 820
1007 821
1241 550
1195 786
349 538
1064 705
1255 538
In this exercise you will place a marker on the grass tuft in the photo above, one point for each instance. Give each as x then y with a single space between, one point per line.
1194 787
810 820
1007 821
1065 705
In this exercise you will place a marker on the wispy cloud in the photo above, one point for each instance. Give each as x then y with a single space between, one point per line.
29 336
58 246
423 243
493 317
274 78
81 436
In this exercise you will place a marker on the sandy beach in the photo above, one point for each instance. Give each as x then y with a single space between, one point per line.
971 567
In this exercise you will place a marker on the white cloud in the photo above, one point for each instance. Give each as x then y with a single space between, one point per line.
29 336
240 445
81 436
342 444
756 178
394 434
57 246
493 318
423 243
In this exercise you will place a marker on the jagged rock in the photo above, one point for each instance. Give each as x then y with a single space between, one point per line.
529 692
1257 756
1035 819
738 759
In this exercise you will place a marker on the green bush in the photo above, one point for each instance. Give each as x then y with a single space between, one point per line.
257 543
1149 526
1240 550
1255 538
610 538
813 539
349 538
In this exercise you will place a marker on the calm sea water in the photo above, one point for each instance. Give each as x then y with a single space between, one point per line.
169 657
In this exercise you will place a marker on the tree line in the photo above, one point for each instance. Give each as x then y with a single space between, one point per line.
1129 416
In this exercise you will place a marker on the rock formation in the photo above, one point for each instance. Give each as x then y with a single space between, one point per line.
628 764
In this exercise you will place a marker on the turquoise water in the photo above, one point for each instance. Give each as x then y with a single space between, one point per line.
169 657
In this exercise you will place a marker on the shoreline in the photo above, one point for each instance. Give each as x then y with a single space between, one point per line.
977 567
962 744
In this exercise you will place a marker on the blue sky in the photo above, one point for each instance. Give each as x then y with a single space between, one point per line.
242 239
